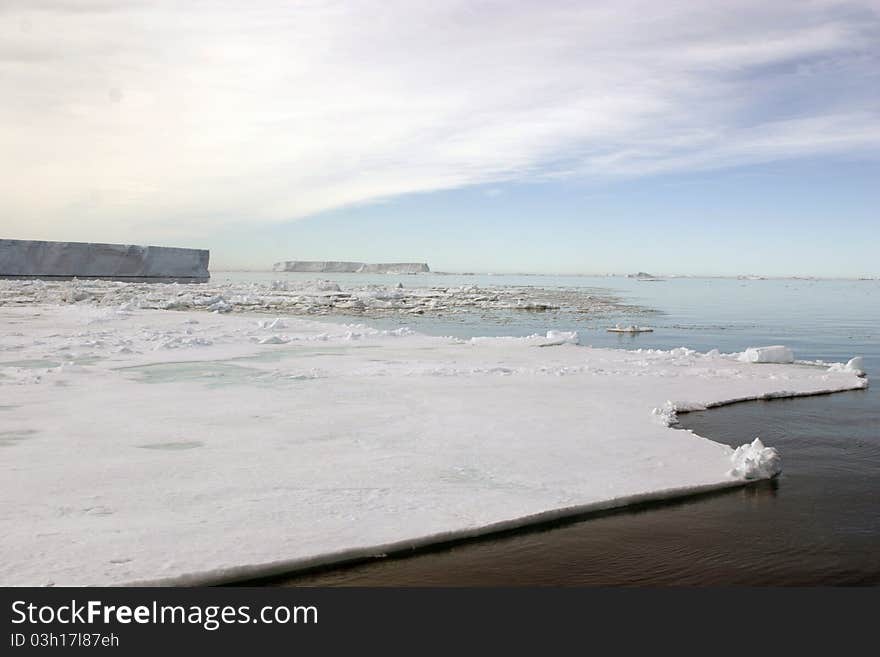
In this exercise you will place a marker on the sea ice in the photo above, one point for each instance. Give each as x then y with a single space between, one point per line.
178 449
774 354
855 365
561 337
316 297
754 461
632 328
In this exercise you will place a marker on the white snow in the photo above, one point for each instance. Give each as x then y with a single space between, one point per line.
774 354
754 461
277 323
855 365
561 337
179 449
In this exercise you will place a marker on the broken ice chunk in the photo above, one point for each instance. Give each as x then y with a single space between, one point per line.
754 461
774 354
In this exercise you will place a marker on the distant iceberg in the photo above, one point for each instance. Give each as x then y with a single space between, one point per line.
342 267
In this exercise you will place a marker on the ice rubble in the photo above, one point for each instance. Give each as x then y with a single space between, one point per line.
316 297
184 447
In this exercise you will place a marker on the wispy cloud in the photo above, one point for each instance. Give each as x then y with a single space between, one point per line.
125 119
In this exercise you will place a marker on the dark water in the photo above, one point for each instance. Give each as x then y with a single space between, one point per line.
817 524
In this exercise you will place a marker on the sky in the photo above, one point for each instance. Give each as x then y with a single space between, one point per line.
703 138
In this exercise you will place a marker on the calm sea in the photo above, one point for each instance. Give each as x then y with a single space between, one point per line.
818 523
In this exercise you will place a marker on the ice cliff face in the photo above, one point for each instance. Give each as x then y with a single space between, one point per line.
27 258
340 267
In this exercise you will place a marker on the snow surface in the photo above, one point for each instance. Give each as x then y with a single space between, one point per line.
188 447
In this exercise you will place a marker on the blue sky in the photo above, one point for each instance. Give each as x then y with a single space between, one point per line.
561 137
805 218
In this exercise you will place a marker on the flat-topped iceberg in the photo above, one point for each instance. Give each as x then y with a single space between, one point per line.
40 259
340 267
190 447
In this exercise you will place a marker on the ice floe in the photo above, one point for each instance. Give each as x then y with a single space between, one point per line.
632 328
223 446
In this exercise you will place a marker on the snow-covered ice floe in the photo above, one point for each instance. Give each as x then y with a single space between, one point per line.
632 328
144 446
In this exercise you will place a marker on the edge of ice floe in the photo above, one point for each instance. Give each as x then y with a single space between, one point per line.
290 567
859 384
669 412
